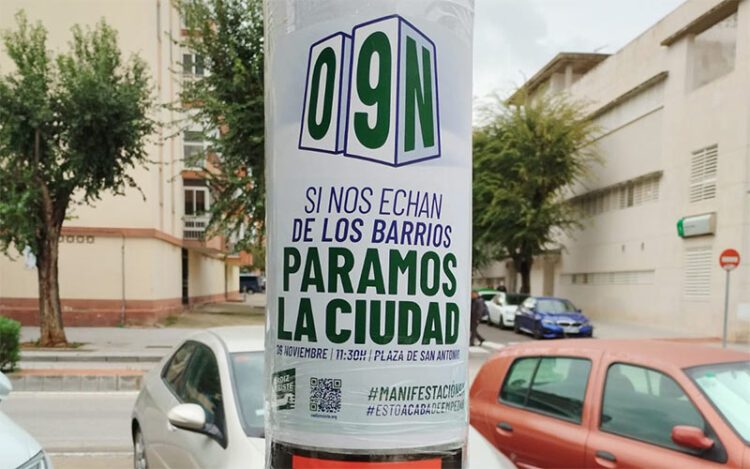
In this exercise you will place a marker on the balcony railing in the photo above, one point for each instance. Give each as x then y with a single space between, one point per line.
195 227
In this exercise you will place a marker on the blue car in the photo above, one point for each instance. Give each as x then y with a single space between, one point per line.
546 317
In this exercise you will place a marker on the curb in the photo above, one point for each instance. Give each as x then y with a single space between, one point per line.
76 380
82 358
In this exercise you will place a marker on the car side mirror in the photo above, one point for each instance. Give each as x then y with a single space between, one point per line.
189 417
192 418
5 387
691 437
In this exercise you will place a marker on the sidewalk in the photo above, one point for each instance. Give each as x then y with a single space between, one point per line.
115 359
111 359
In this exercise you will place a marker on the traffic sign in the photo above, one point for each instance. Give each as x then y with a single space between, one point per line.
729 259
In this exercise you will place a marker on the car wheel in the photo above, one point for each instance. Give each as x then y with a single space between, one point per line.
139 451
538 331
516 327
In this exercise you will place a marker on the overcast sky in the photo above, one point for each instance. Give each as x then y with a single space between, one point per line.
513 39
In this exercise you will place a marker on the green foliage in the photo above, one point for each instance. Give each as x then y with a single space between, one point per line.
70 128
10 352
524 158
227 104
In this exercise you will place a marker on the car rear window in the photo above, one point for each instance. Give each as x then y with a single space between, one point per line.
553 386
514 299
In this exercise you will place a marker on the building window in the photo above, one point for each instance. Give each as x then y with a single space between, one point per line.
193 148
193 65
713 51
196 201
627 194
703 169
698 262
629 277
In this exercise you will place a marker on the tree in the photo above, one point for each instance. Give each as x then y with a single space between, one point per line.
525 156
70 129
227 103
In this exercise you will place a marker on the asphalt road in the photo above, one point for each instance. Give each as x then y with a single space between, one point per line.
91 430
78 430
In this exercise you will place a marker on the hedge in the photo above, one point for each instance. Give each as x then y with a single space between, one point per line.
10 352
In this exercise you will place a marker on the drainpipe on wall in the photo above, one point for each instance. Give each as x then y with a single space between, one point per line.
122 273
226 279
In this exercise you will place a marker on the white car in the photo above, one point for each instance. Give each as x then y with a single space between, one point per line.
502 309
17 448
203 407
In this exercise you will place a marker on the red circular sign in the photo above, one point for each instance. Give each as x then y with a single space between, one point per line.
729 259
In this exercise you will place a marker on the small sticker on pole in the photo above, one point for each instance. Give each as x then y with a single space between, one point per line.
729 259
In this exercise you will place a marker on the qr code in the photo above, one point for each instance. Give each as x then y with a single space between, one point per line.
325 395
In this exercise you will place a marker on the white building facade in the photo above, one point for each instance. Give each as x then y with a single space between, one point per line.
674 108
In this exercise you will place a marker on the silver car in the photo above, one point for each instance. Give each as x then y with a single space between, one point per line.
17 448
203 407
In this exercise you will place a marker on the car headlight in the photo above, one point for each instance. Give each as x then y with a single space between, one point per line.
547 322
39 461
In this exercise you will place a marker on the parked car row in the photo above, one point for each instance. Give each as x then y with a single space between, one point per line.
203 407
541 316
636 404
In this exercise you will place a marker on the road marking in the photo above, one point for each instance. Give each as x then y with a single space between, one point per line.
493 345
93 454
58 394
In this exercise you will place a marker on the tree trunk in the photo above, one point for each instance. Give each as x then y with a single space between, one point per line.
523 265
51 331
50 312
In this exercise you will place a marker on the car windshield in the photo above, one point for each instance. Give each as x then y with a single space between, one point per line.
554 306
514 299
247 374
727 386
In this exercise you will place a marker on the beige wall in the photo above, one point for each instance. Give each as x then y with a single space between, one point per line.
94 271
207 275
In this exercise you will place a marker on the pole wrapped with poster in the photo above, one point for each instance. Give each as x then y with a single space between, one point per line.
368 153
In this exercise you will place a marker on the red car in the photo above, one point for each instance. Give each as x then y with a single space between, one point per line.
615 404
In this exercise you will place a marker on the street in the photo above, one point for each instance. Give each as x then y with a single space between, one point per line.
78 430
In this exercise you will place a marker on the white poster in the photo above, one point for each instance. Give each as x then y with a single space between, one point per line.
369 223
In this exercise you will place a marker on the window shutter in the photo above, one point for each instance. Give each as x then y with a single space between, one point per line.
698 272
703 170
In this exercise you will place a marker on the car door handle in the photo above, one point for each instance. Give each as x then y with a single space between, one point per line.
505 426
606 455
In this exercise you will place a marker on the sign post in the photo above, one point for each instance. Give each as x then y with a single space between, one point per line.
729 260
368 156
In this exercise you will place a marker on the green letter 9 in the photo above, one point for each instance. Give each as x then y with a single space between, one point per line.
379 95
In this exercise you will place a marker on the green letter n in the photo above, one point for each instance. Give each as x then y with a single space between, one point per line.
419 95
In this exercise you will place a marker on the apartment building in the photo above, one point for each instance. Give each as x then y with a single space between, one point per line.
673 189
140 257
